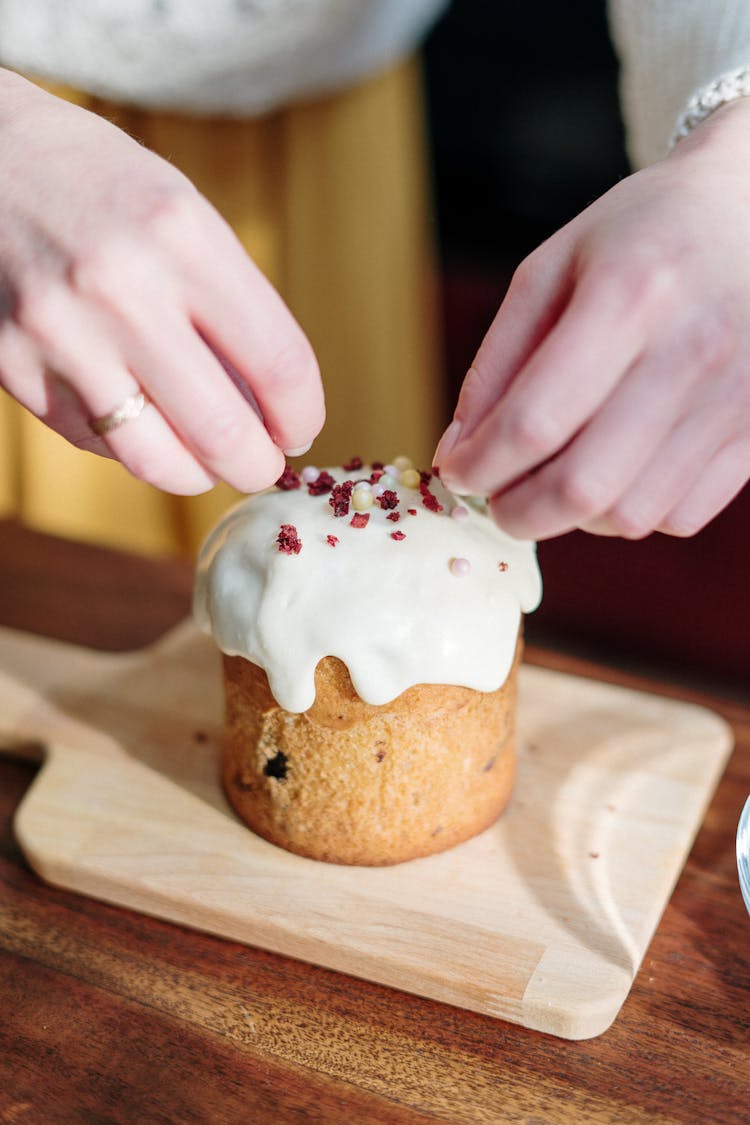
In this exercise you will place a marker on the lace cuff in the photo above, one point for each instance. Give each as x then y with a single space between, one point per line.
726 88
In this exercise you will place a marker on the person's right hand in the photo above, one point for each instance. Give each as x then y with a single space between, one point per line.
116 276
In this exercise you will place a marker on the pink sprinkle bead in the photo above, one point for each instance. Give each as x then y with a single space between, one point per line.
309 474
459 512
460 567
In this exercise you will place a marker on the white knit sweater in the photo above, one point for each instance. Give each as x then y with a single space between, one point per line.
669 49
247 56
205 56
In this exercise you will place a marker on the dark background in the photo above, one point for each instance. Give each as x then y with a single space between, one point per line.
525 132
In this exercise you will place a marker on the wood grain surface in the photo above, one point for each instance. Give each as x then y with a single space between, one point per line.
109 1016
543 919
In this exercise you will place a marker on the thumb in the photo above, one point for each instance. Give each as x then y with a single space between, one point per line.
535 300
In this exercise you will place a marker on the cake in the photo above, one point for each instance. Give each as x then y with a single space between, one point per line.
371 628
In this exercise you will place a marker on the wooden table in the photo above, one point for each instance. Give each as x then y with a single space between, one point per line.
109 1016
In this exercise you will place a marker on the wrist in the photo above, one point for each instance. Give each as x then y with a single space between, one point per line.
723 133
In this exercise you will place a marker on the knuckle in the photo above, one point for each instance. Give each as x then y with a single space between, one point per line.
174 214
712 341
647 277
293 362
683 524
40 312
222 436
526 275
99 273
630 522
584 494
533 430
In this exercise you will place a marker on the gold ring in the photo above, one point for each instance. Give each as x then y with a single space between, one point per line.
129 409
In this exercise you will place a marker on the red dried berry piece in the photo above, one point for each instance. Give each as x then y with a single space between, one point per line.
395 516
436 471
502 566
398 536
340 498
424 476
352 465
331 540
289 480
375 475
323 483
388 499
378 465
412 511
288 540
360 519
430 501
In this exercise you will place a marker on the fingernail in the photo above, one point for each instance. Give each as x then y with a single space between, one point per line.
298 452
447 443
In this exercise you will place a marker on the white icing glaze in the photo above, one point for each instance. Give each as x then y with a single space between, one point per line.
392 611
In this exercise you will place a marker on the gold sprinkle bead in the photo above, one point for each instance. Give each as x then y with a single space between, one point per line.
362 498
410 478
403 463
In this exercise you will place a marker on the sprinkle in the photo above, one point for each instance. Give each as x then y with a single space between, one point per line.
288 480
412 511
323 483
332 540
387 481
410 478
288 540
310 473
388 499
398 536
459 512
403 463
362 497
352 465
360 519
502 566
460 567
395 516
391 471
340 497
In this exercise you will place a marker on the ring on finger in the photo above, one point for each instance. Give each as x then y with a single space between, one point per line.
128 410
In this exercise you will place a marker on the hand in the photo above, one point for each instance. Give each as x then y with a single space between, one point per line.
117 275
612 391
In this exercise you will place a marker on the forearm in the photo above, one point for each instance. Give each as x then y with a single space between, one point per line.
669 49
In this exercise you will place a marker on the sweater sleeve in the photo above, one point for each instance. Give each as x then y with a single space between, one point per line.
669 50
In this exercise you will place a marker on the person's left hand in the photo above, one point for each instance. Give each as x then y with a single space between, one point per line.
612 391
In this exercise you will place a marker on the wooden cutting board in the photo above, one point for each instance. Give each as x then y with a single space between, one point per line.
542 920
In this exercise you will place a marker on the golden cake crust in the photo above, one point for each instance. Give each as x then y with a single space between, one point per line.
348 782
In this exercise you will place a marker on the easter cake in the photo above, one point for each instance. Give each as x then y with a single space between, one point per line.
371 627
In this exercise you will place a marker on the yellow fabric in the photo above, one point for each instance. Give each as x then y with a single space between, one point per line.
330 199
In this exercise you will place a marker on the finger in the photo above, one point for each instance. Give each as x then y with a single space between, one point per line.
534 301
244 319
566 380
179 371
717 485
201 403
150 449
96 383
676 468
583 482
